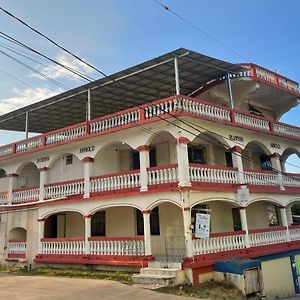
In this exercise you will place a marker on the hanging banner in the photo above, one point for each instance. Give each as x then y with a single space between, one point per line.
202 227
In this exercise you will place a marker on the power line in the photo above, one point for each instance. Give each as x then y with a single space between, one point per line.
20 80
168 9
51 41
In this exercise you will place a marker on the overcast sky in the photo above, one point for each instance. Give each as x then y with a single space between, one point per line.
116 34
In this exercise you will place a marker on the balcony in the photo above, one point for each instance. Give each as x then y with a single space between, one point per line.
165 108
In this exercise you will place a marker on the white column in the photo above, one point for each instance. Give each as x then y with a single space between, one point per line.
147 232
188 234
238 163
183 162
144 165
284 221
41 234
43 182
88 170
276 164
244 223
87 232
12 179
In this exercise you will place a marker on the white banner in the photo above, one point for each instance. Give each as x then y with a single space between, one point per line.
202 227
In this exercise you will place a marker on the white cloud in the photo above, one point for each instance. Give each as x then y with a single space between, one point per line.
55 71
25 97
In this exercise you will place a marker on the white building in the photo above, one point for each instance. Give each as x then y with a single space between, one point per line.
122 165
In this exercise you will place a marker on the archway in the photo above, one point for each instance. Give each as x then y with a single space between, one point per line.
29 176
17 243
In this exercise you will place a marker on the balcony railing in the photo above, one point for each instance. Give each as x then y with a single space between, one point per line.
94 246
178 106
3 198
64 189
22 195
258 177
163 174
16 249
237 240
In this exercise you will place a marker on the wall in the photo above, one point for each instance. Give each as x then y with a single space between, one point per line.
257 215
219 156
32 175
3 184
74 225
277 278
62 172
106 162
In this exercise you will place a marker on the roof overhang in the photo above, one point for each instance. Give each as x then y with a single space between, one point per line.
143 83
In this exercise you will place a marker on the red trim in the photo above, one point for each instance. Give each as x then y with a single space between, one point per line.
88 216
221 234
147 212
275 155
17 241
43 169
186 208
75 239
88 160
16 255
162 167
143 148
13 175
41 220
26 189
213 167
116 238
236 149
116 174
183 140
260 171
65 182
275 228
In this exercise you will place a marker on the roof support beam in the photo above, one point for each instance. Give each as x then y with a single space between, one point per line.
230 91
88 114
26 123
177 86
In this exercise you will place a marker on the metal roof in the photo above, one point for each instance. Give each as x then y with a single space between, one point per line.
143 83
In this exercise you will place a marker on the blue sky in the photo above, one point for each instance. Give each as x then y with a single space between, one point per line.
115 34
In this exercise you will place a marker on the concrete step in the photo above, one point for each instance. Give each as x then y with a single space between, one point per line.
164 264
159 271
161 280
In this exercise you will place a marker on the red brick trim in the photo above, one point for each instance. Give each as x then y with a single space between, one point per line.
88 160
43 169
88 216
146 212
143 148
275 155
183 140
237 149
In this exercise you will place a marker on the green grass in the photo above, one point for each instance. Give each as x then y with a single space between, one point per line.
211 290
122 277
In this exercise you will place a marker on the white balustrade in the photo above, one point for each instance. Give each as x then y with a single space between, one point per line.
211 174
3 198
294 233
187 105
286 129
219 244
261 178
115 121
291 180
29 144
251 121
64 189
63 246
265 75
25 195
115 182
267 238
16 247
159 175
117 247
6 150
288 84
65 135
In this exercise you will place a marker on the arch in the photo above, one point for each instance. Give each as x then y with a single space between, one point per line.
99 208
255 146
161 135
29 175
293 201
270 200
17 233
54 159
57 211
213 138
290 154
161 201
118 143
23 165
228 200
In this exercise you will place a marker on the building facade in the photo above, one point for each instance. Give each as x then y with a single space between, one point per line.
124 189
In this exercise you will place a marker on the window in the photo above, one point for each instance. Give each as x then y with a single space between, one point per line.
228 158
197 154
199 208
152 157
134 160
69 159
98 224
272 214
265 162
154 222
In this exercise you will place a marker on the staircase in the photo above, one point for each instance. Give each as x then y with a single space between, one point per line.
160 273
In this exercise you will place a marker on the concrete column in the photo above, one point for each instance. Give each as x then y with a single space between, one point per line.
87 232
183 162
12 182
188 234
238 163
276 164
144 165
88 170
43 182
284 221
147 232
289 214
41 234
243 216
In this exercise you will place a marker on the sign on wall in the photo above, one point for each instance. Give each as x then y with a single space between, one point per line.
202 226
